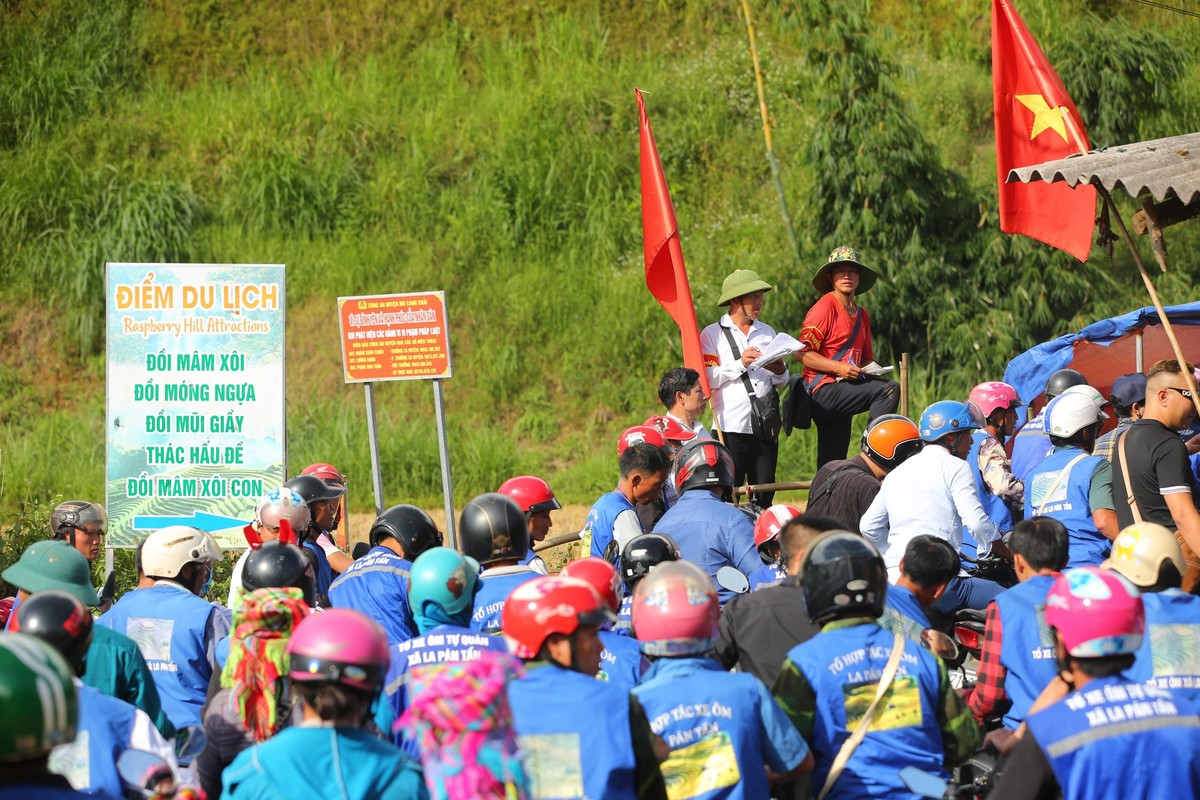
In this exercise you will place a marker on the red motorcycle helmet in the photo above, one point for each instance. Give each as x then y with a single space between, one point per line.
531 493
771 521
600 575
672 430
548 605
640 434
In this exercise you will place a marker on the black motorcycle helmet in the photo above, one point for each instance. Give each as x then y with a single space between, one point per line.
1062 380
842 575
493 528
643 553
61 621
704 464
312 488
408 525
276 565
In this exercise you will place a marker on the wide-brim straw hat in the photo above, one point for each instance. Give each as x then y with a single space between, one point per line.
844 255
741 282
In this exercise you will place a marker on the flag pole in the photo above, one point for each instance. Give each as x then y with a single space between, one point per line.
766 121
1162 314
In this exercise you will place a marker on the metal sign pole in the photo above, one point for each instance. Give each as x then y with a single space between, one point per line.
108 560
373 437
439 405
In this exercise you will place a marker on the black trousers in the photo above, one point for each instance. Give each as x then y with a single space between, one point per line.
753 462
834 406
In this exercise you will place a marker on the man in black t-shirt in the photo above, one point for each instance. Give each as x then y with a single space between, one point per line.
844 489
760 627
1157 462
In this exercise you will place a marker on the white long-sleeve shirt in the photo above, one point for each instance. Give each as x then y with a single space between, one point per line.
731 404
932 492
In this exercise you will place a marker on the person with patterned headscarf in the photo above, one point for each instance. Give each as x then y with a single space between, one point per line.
462 723
253 702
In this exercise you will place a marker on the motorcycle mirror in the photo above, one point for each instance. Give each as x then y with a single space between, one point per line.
923 783
145 774
939 644
733 580
190 742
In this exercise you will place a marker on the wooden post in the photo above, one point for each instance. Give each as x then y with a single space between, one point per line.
1188 377
904 385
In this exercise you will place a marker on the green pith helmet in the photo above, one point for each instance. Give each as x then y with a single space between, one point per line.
741 282
37 699
844 255
53 564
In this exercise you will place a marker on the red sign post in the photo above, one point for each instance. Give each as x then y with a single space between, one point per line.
394 337
399 337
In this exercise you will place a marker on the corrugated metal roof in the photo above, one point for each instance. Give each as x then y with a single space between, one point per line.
1163 168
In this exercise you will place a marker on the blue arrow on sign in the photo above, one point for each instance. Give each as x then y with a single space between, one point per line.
199 519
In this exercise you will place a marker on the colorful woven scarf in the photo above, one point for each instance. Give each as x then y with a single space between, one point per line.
262 626
459 716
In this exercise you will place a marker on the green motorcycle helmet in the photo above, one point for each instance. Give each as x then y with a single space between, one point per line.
37 699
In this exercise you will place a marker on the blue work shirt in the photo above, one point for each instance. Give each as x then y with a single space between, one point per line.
712 534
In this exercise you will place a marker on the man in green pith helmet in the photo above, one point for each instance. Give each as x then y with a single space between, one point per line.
837 331
730 346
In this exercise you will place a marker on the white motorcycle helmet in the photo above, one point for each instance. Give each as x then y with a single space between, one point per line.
168 550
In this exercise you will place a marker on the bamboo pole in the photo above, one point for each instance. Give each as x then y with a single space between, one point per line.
779 486
766 121
1188 377
555 541
904 385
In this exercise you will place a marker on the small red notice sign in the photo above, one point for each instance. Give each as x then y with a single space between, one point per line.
394 337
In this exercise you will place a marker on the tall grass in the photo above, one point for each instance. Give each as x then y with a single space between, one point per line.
488 150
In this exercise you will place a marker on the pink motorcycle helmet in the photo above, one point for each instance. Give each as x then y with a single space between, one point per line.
339 646
992 395
1096 612
676 611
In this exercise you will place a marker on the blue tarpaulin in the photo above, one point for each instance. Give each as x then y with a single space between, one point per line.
1105 350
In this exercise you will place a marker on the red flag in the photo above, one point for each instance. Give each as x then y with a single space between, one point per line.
666 275
1036 121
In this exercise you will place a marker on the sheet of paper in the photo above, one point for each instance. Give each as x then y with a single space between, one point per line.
874 370
781 346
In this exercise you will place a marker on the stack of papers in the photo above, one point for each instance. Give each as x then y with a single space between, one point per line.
781 346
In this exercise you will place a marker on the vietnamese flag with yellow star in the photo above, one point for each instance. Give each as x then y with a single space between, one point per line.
1036 121
666 275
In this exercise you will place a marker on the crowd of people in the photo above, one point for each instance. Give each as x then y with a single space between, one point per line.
696 648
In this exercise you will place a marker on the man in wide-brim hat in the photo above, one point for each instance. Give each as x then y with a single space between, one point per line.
837 331
730 346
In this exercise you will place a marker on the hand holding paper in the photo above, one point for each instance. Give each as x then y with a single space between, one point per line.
781 346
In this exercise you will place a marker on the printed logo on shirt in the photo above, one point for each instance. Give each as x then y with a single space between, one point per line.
900 706
152 635
72 762
1040 495
895 622
1175 649
555 765
706 766
1045 650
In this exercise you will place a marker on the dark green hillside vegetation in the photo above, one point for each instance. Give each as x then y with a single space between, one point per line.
490 149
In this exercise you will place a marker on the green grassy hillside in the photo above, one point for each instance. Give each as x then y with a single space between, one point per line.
490 149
